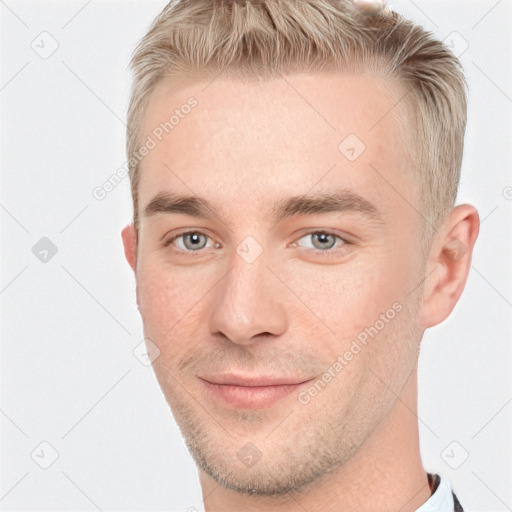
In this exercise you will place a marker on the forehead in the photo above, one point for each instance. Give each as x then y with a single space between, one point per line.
228 140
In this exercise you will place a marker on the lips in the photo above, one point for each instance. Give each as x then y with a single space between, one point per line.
232 379
250 392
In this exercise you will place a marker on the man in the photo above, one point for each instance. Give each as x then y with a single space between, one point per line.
294 167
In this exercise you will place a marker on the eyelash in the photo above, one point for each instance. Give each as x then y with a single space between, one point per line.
325 252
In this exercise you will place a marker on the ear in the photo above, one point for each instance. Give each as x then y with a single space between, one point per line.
448 264
129 235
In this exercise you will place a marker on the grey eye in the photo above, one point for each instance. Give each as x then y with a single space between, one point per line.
192 241
324 240
321 240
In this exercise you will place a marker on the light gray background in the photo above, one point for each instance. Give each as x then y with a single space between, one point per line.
69 325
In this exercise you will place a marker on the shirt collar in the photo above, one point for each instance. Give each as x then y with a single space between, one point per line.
441 500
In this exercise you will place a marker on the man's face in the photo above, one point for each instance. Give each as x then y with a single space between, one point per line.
283 299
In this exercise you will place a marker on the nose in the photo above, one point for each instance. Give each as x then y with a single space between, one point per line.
248 303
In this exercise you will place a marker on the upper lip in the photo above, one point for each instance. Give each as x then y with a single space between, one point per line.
231 379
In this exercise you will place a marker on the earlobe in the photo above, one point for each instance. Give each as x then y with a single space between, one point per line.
129 236
449 264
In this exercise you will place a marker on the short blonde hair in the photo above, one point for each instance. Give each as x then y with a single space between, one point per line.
265 38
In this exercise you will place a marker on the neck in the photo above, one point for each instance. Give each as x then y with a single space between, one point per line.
385 473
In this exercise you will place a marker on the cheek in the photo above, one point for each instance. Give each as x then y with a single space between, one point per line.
348 298
170 306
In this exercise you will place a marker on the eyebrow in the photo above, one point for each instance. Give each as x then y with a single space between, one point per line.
339 201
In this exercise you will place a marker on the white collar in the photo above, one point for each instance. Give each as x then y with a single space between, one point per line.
441 500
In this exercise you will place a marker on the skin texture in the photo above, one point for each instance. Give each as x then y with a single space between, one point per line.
292 311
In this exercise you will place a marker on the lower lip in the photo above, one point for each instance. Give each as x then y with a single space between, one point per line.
250 397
